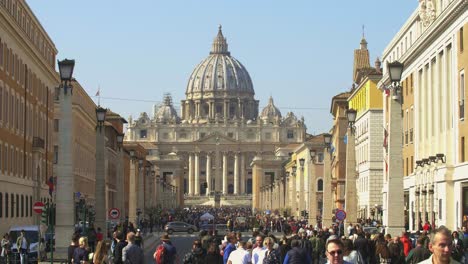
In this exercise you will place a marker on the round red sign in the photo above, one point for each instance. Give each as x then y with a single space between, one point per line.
38 206
114 213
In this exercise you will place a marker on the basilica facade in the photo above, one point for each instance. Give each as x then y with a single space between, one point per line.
206 150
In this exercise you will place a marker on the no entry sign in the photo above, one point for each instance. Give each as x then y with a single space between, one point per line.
340 215
38 206
114 213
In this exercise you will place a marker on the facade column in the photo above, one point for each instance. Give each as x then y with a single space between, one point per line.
120 199
417 209
190 175
225 172
243 174
100 187
208 174
327 191
218 182
236 173
393 209
350 186
132 192
179 183
141 189
301 189
312 196
65 194
256 183
197 174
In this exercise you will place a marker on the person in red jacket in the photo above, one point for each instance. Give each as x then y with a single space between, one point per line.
407 246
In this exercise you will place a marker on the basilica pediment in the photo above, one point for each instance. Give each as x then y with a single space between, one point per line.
216 138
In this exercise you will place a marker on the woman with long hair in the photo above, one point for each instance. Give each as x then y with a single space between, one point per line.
101 255
81 253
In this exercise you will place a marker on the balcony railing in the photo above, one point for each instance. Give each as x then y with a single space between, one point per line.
38 142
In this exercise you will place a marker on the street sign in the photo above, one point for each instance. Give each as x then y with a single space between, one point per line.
340 215
114 213
38 206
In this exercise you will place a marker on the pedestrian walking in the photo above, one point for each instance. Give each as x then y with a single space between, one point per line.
81 253
441 248
22 244
6 249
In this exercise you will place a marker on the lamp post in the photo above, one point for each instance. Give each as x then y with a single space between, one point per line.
120 196
393 198
100 187
133 190
301 185
65 183
311 194
327 204
350 187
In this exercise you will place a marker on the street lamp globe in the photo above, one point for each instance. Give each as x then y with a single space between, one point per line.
120 138
301 162
351 115
312 153
101 115
132 153
395 69
66 67
327 139
294 168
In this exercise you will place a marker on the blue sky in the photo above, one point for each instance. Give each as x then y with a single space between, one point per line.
299 52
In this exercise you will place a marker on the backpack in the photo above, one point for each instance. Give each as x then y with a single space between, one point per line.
160 254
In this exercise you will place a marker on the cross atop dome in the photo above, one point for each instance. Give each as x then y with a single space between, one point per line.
220 45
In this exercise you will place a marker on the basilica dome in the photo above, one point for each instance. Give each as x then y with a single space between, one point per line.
166 112
219 74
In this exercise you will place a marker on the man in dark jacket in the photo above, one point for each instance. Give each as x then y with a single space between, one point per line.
362 245
419 253
119 248
132 253
297 255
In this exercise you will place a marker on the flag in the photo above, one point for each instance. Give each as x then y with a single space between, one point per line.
387 92
98 93
50 183
345 139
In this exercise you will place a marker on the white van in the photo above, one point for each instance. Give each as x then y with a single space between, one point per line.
33 235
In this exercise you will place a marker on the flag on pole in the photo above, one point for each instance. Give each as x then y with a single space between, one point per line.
98 93
50 183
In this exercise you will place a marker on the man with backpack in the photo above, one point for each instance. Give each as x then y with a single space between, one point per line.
165 253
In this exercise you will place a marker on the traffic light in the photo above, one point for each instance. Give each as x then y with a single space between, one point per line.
52 215
45 214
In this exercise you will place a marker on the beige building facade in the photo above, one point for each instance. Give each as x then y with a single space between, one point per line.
27 81
428 45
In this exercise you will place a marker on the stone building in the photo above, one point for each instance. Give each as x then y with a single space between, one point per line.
434 184
206 151
27 81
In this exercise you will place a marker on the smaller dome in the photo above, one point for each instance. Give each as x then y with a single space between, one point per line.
166 112
270 112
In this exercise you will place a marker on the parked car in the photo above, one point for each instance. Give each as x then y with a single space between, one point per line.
172 227
372 229
35 239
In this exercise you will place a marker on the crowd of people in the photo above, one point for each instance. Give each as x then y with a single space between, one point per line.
309 245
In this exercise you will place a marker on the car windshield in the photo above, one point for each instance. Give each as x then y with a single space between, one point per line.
31 236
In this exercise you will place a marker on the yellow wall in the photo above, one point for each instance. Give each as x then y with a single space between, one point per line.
366 96
407 93
463 67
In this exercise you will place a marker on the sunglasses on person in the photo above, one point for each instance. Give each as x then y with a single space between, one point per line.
335 252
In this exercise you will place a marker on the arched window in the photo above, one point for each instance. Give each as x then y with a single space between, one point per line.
320 185
230 188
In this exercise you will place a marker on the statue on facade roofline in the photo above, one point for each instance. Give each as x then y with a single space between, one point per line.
427 12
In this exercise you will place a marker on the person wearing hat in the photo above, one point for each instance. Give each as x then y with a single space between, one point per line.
170 250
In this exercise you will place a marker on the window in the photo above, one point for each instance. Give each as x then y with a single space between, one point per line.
12 205
56 125
56 154
461 39
143 133
202 135
22 206
320 185
412 164
165 135
462 95
320 157
1 205
462 149
230 134
183 135
267 135
30 205
17 206
290 134
6 205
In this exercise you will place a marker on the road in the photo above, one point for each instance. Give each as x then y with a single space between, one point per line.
182 242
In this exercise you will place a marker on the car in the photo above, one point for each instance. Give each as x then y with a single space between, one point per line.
371 229
172 227
34 237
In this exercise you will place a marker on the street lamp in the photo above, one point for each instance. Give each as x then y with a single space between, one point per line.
100 190
66 181
394 175
301 162
101 116
350 185
66 67
327 140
